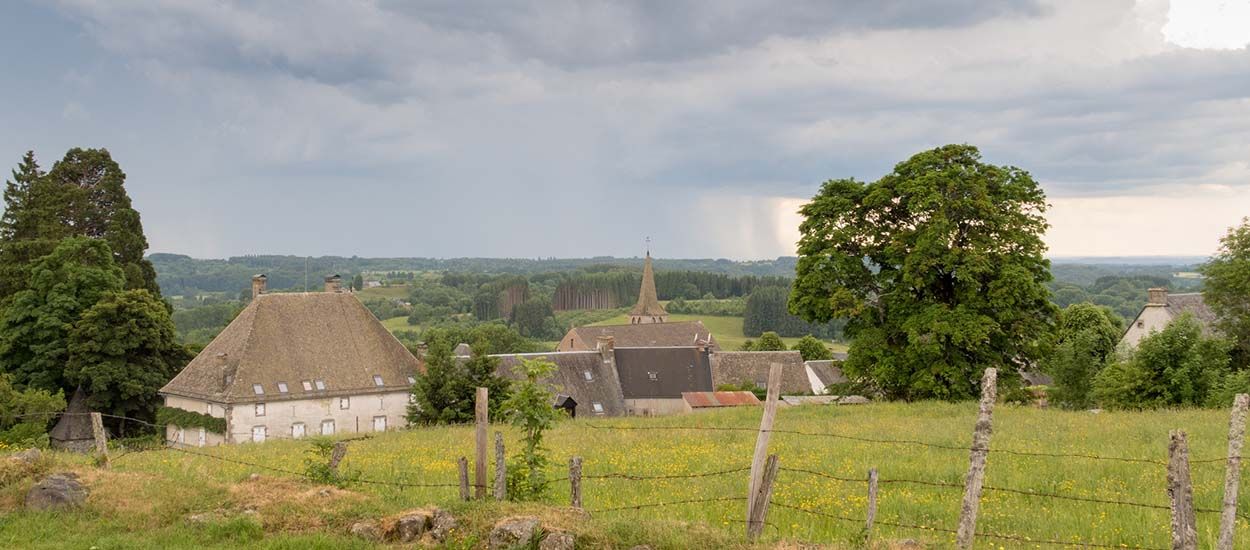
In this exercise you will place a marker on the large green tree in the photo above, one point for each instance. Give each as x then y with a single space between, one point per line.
1227 290
1084 342
122 351
939 268
17 228
34 333
83 195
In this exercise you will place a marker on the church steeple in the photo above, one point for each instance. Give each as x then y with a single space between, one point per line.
648 308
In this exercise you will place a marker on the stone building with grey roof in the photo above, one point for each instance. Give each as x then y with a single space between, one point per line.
751 367
1161 309
292 365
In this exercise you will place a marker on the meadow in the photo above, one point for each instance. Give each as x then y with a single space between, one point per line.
144 499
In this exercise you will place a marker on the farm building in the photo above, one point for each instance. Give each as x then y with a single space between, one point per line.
589 378
751 367
708 400
1161 308
295 364
653 379
822 374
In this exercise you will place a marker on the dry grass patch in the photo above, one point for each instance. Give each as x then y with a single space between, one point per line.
289 505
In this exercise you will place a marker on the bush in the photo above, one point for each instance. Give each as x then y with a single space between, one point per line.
769 341
529 407
813 349
1173 367
317 465
1085 341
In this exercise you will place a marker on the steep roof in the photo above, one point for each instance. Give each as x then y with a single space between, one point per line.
570 378
738 367
292 337
1193 304
75 424
828 372
648 304
686 333
662 372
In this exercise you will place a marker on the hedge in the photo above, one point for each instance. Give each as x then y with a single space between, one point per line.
186 419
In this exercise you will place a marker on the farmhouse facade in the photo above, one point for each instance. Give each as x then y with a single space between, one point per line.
1161 309
292 365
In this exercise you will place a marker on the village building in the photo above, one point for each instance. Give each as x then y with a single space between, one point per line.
1161 309
653 379
710 400
685 333
293 365
648 308
73 431
823 373
739 368
587 378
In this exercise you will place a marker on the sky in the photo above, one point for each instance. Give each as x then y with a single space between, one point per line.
573 129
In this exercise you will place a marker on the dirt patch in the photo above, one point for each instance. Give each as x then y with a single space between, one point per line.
292 506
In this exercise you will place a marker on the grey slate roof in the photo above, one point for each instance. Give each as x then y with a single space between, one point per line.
570 379
738 367
293 337
75 425
1193 304
685 333
829 372
662 372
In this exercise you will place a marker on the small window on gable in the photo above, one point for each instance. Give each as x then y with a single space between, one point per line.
1141 324
653 375
412 380
260 409
307 385
259 389
282 387
229 379
598 407
377 380
321 385
345 403
412 398
588 375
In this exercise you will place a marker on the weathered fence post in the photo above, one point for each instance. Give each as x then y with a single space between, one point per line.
761 440
463 465
501 469
872 504
336 456
1232 473
101 439
1180 493
482 416
575 481
760 499
977 456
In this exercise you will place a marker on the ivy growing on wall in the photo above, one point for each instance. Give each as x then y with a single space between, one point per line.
186 419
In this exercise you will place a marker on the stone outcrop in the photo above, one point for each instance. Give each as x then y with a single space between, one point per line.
55 492
512 533
557 540
442 525
408 527
367 530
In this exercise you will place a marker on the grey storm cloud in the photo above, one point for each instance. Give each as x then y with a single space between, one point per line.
388 118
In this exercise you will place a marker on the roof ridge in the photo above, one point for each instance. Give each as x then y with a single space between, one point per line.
247 342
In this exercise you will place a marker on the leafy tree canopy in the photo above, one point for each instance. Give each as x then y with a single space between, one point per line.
939 268
812 349
769 341
1085 340
1227 289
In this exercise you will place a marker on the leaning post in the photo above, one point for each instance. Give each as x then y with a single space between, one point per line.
101 439
1232 473
762 496
761 440
482 416
977 458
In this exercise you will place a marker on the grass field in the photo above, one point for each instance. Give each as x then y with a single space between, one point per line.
143 501
727 330
397 292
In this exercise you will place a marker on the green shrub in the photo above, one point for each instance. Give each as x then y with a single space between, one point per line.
529 407
171 416
318 469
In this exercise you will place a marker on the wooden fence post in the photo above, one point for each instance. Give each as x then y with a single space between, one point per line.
1232 473
761 440
763 494
463 465
977 457
482 416
101 439
872 504
575 481
501 469
336 456
1180 493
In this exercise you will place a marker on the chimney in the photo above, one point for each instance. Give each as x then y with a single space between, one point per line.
606 345
1158 297
258 285
334 283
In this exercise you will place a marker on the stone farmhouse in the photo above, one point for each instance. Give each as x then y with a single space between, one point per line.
1161 308
292 365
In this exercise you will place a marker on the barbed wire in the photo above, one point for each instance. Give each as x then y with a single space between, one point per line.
983 534
668 503
636 477
305 475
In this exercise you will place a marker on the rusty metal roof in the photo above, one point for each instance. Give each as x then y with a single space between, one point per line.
706 399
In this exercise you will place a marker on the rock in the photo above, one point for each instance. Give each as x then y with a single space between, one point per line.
55 492
324 493
367 530
409 527
29 456
1095 411
512 532
254 477
442 525
557 540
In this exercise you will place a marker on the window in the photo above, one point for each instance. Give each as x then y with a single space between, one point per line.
307 385
597 406
281 387
229 379
377 380
259 389
297 430
379 423
327 427
260 409
1141 324
412 380
653 375
345 403
259 433
321 385
588 375
412 398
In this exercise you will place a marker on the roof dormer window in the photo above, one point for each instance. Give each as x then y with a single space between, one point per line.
321 385
412 380
259 389
282 387
307 384
586 374
377 380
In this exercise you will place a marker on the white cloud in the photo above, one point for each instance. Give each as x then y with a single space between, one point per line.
1209 24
